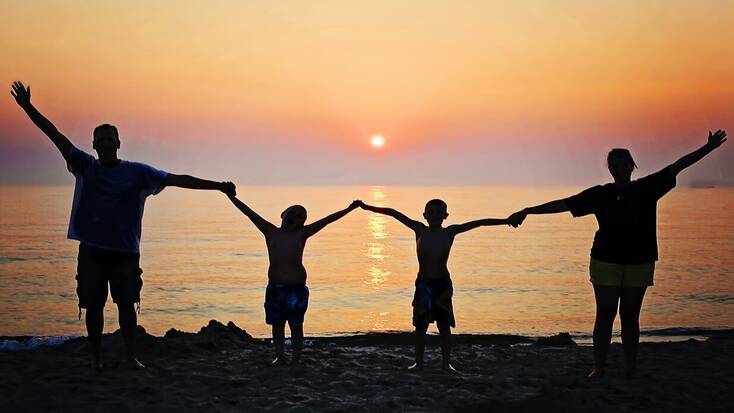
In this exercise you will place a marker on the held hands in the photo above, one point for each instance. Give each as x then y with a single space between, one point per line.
516 219
229 189
716 139
21 93
355 204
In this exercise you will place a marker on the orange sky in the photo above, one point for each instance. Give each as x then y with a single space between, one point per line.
321 77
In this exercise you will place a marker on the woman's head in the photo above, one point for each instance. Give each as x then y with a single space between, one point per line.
620 164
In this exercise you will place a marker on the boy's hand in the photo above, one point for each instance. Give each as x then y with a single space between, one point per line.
355 204
716 139
516 219
360 203
229 189
21 94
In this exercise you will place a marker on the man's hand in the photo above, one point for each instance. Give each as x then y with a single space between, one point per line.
355 204
715 140
229 189
516 219
21 94
360 204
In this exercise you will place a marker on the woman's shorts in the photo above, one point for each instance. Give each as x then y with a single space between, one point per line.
621 275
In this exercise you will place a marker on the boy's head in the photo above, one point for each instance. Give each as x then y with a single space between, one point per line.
106 140
620 164
293 217
435 212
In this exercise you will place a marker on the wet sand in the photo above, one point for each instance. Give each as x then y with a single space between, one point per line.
222 368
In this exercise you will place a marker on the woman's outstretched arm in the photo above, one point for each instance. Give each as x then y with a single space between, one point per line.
714 141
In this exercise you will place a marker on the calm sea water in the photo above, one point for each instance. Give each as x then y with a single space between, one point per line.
202 259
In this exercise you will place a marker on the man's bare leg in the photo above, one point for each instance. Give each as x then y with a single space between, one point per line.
128 319
95 324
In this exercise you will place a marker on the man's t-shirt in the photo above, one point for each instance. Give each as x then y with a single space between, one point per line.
627 217
107 211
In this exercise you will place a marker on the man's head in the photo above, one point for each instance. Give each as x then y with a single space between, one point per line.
106 140
621 164
435 212
293 217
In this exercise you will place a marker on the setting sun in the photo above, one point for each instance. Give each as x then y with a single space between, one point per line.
378 141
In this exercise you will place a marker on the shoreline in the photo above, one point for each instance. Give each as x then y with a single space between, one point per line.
670 334
222 368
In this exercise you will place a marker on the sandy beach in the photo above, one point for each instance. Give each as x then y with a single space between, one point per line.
222 368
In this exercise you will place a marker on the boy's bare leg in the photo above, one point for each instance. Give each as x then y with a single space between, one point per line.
445 334
420 347
297 340
128 324
279 343
95 323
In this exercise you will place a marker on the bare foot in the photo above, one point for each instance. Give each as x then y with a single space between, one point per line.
96 365
278 362
447 367
133 364
418 366
595 374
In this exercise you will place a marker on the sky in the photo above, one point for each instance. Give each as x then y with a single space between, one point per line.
290 92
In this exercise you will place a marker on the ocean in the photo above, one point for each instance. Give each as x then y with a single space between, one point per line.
202 259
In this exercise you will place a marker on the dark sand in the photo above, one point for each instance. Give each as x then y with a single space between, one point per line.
224 369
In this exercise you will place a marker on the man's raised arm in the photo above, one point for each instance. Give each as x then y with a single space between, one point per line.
22 95
714 141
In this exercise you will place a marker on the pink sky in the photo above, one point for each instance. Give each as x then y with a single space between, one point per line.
290 92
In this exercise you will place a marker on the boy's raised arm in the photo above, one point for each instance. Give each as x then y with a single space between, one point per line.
467 226
317 226
22 95
264 226
410 223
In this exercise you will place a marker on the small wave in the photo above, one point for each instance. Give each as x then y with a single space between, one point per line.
10 259
30 343
708 298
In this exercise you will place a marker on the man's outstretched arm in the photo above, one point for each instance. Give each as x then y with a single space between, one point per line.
317 226
410 223
22 95
714 141
468 226
191 182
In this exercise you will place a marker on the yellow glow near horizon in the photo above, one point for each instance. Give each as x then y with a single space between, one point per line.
377 141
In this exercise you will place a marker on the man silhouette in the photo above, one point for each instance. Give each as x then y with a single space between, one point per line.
106 217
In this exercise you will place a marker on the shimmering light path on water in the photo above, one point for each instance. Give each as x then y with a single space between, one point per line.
204 260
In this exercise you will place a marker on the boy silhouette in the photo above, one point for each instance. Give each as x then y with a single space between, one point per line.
286 296
433 286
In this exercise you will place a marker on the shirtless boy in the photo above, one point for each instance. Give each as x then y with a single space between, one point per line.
433 287
286 297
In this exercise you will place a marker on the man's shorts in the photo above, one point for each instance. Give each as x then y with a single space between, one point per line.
96 267
432 302
285 303
621 275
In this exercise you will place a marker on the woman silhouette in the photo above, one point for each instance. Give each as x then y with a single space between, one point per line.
625 245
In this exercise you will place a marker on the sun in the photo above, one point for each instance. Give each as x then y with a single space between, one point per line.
377 141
